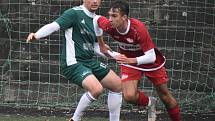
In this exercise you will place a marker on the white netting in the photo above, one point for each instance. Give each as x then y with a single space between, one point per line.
182 29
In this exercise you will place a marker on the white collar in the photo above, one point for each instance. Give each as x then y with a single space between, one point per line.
90 14
128 27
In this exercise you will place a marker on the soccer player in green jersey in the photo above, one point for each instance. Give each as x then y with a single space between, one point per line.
77 59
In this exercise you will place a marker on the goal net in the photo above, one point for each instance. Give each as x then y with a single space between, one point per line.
184 30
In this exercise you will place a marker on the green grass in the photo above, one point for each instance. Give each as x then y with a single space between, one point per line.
43 118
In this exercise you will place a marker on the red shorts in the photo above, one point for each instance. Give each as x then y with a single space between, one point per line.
157 77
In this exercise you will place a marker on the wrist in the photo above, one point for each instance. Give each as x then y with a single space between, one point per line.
134 60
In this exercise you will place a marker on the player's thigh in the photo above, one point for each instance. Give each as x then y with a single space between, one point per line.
130 79
157 77
130 74
76 73
112 82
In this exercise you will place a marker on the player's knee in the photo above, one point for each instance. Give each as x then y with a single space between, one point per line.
97 91
129 97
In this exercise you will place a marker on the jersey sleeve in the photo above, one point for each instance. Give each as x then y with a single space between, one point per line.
145 39
67 19
47 30
97 29
103 23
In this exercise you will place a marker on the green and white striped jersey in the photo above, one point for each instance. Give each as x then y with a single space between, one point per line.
79 35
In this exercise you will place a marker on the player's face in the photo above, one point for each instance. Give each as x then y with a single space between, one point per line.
116 18
92 5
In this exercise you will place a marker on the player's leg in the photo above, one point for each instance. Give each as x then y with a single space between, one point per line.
159 79
82 76
169 102
94 89
131 93
112 82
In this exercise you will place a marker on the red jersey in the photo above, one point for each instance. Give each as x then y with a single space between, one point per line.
134 42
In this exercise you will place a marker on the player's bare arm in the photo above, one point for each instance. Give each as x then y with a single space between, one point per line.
103 47
122 59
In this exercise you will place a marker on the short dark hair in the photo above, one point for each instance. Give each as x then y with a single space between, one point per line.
122 5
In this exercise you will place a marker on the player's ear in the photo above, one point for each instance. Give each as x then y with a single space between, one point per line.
125 17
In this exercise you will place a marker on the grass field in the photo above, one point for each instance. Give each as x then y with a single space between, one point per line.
42 118
163 117
32 114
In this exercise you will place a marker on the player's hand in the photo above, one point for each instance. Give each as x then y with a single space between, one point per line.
31 37
122 59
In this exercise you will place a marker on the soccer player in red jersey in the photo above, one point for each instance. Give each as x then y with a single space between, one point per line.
138 56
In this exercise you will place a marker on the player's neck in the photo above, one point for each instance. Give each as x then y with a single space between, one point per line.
88 9
123 29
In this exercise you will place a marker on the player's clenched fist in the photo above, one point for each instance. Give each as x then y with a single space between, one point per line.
31 37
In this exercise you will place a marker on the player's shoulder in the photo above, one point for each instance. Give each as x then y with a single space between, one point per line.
101 18
136 22
72 11
77 8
